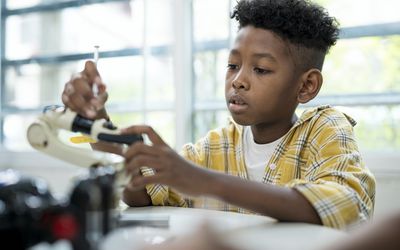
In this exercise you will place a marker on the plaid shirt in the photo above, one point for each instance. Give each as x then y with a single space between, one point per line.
318 157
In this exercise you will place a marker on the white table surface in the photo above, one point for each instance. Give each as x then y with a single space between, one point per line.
245 232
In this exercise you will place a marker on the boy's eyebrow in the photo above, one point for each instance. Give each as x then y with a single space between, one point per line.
257 55
265 55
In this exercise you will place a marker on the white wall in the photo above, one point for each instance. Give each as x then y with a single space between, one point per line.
386 168
59 175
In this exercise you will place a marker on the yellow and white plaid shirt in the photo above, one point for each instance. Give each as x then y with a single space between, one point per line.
318 157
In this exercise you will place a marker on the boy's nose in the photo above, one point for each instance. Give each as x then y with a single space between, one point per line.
240 84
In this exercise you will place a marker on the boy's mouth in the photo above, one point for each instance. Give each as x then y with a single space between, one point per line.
237 100
237 104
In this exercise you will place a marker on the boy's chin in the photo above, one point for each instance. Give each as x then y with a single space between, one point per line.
241 122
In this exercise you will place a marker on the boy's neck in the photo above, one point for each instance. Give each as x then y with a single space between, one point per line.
268 133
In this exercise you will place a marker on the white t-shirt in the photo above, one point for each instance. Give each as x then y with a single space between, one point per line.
256 156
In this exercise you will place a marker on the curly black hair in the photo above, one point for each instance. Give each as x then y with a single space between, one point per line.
300 22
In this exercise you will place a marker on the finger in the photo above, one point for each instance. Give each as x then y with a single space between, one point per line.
78 104
101 87
108 147
133 172
91 72
81 90
140 148
130 186
136 182
99 101
68 89
143 160
92 76
67 103
140 181
82 87
144 129
67 92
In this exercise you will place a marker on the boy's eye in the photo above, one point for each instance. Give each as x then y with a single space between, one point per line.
232 66
261 71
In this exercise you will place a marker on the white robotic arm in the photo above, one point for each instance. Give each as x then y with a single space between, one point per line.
43 136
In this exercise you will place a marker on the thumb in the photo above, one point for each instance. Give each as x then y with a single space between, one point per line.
101 95
99 101
90 71
144 129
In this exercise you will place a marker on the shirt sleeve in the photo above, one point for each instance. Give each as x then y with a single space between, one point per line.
336 183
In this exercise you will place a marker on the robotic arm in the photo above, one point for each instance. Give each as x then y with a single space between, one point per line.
43 136
89 214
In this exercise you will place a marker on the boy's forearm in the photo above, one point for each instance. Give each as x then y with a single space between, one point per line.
282 203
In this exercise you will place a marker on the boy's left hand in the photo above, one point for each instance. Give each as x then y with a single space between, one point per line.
169 167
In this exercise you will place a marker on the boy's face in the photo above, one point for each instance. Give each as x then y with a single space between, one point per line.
261 85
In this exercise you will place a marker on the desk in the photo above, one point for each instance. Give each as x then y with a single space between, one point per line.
247 232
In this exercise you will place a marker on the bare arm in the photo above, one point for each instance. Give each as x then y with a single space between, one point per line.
282 203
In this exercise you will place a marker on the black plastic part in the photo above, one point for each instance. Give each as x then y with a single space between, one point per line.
82 125
124 139
109 125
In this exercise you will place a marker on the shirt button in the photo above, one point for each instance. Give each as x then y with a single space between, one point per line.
272 166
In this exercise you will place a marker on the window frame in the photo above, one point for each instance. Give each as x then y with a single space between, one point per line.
186 105
144 51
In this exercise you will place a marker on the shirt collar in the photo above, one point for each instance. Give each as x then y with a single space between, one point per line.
305 116
310 113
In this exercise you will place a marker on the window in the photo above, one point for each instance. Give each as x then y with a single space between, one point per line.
45 42
165 66
360 72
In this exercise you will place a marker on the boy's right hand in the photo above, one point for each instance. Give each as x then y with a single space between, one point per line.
79 97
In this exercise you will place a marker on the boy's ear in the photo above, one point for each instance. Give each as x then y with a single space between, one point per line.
310 85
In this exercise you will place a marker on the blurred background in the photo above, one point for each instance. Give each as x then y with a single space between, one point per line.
164 63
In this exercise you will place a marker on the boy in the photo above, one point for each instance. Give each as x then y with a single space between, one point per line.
266 160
